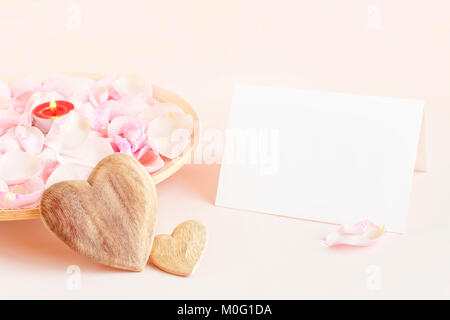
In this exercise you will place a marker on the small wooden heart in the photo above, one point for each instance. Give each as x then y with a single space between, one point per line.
110 218
180 253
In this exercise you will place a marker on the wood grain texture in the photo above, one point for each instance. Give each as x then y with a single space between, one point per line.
180 252
170 167
110 218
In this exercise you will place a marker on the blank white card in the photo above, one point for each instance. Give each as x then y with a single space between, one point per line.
328 157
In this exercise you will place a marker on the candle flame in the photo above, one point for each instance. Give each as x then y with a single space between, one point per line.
53 105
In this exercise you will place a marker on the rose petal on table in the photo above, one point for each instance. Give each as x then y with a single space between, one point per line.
170 134
9 142
150 159
364 233
23 195
31 139
68 132
68 172
127 106
132 85
89 153
17 167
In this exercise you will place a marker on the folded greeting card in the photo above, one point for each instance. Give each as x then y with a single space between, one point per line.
327 157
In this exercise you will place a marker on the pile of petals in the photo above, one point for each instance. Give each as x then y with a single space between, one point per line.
114 114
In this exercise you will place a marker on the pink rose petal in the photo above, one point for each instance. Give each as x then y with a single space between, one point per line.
25 86
68 172
68 132
19 104
49 168
127 106
31 139
135 134
23 195
159 109
89 153
364 233
151 160
9 119
22 90
9 142
69 87
121 144
59 83
102 119
98 117
5 103
88 111
170 135
116 126
49 156
98 95
17 167
104 85
133 85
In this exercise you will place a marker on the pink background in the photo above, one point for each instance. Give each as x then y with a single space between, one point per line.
199 49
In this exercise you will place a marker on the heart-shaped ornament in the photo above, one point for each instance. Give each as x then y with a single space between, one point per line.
110 218
180 252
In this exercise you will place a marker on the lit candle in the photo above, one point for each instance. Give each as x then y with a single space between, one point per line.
44 114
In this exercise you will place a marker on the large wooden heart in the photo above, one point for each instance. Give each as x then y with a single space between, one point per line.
110 218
